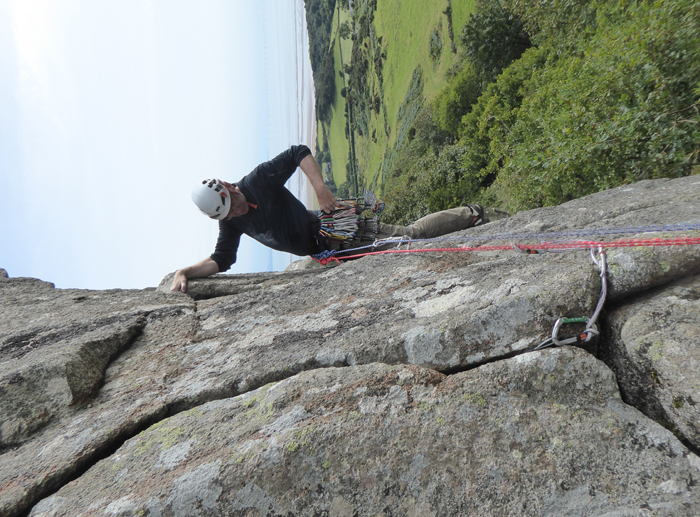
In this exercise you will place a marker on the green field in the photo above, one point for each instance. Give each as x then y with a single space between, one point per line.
461 10
406 26
402 31
338 145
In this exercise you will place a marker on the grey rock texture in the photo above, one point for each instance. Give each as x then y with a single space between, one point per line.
56 344
494 214
307 263
655 352
222 285
547 438
397 383
55 347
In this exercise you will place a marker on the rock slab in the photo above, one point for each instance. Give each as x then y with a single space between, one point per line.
402 384
655 352
549 437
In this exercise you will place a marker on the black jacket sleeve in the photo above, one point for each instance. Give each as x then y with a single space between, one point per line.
226 247
276 172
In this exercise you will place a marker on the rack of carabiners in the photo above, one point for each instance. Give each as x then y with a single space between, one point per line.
350 219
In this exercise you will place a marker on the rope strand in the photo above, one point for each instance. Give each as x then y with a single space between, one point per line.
691 226
329 256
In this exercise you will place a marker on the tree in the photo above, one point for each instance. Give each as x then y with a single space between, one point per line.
345 30
493 38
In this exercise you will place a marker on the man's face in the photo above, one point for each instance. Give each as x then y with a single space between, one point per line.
239 205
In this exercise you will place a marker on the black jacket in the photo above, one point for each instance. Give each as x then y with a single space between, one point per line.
280 221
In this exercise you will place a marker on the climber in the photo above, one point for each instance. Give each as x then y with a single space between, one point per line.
260 206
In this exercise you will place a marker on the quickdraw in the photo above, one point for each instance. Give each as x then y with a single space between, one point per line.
355 220
591 328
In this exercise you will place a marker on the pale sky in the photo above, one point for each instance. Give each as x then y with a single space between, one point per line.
110 112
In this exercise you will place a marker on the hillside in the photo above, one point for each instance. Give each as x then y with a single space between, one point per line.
512 104
388 58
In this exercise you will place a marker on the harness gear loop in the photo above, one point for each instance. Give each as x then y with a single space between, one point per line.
353 221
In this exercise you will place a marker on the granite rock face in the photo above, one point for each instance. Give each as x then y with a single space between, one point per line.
655 352
55 346
549 437
222 285
394 384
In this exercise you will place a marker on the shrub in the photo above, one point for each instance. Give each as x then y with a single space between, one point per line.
624 109
434 182
493 38
435 45
610 95
319 15
343 191
456 99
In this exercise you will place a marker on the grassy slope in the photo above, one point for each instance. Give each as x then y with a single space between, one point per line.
461 10
405 27
337 142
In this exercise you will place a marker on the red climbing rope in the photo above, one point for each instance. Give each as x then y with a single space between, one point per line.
532 248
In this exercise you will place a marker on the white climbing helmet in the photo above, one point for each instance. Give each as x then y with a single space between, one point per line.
212 198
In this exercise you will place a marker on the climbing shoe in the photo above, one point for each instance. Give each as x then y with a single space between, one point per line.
479 215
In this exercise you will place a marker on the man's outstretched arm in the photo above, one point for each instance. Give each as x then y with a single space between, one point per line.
326 199
204 268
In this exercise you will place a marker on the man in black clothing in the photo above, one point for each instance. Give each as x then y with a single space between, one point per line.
261 207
